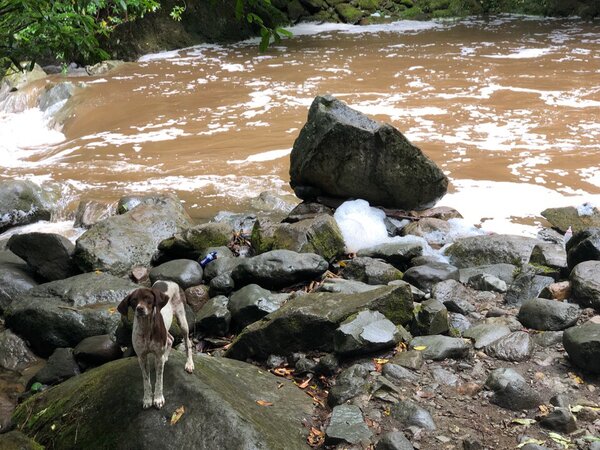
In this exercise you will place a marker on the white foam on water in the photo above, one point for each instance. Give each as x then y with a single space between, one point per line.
233 67
64 228
587 209
404 26
108 138
264 156
523 53
159 56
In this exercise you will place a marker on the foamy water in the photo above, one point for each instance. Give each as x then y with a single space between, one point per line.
509 108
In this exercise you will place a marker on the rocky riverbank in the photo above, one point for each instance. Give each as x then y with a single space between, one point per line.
338 325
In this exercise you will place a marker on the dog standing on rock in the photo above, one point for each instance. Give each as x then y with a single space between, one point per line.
153 314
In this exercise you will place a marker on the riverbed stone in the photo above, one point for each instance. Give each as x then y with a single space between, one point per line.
582 344
221 394
221 265
568 216
398 254
351 382
197 296
517 396
121 242
425 277
549 255
394 440
347 425
49 255
252 303
516 346
398 373
491 249
458 324
16 278
308 322
499 378
307 210
548 315
90 212
214 317
332 155
94 351
191 242
63 313
485 334
23 202
441 347
371 271
455 296
487 282
185 272
411 414
527 285
61 366
14 353
366 332
55 95
431 317
343 286
559 419
585 284
557 291
221 285
279 268
583 246
505 272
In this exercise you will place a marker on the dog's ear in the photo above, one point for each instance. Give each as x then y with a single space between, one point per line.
160 299
130 300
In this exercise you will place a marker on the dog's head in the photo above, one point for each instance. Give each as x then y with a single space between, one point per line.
143 301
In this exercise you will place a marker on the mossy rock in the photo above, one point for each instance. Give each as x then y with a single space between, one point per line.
414 13
23 202
102 409
262 236
368 5
349 13
15 440
192 242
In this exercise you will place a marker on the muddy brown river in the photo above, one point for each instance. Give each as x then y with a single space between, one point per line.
508 107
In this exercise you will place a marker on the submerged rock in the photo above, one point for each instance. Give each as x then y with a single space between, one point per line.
335 153
221 394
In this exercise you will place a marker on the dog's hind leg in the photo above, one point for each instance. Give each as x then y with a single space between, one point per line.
143 360
159 366
182 320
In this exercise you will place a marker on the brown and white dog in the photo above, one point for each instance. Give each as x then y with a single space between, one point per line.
154 309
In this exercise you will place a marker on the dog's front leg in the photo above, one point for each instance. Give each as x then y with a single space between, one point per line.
143 360
159 366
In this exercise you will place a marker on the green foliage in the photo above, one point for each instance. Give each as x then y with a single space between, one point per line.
267 34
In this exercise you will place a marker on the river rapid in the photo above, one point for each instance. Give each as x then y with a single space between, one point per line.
509 107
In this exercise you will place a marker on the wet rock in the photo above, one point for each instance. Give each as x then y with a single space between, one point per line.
197 296
547 338
350 383
16 278
63 313
487 282
549 255
15 79
516 346
279 268
548 315
119 243
96 350
343 286
220 395
568 216
214 317
485 334
366 332
371 271
331 154
585 284
103 67
411 414
491 249
428 275
60 366
498 379
189 243
458 324
307 210
308 322
583 246
54 96
15 440
455 297
394 440
517 396
252 303
397 373
434 231
221 285
441 347
527 285
505 272
398 254
14 353
48 254
273 202
23 202
560 419
582 343
412 359
320 235
185 272
347 425
431 317
90 212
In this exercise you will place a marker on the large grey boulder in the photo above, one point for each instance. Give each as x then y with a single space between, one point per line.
119 243
527 285
585 284
582 343
548 315
252 303
366 332
568 216
90 212
583 246
516 346
23 202
279 268
221 394
214 317
16 278
60 366
49 255
370 271
308 322
343 286
398 254
220 266
185 272
503 271
342 153
63 313
494 249
425 277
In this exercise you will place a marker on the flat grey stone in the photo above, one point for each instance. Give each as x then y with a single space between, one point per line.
347 425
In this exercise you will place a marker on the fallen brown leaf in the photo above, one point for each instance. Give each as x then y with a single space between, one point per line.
177 415
316 437
264 403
